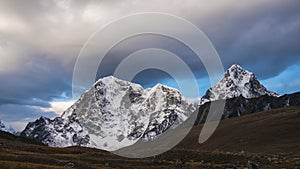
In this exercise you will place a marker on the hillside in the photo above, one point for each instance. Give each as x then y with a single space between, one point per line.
270 139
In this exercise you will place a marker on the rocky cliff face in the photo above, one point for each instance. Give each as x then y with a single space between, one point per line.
58 132
240 106
113 114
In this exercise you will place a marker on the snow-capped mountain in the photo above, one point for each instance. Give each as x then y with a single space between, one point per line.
236 81
5 127
113 114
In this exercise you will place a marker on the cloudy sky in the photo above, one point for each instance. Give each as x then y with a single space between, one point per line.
40 41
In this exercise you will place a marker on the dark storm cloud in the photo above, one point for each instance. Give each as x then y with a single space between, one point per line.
255 34
264 39
120 51
36 82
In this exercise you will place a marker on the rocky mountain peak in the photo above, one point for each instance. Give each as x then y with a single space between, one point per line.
236 81
236 71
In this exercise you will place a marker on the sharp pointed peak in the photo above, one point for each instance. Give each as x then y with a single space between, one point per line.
235 67
237 81
159 85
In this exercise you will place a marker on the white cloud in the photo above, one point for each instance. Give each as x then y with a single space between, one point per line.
20 125
58 107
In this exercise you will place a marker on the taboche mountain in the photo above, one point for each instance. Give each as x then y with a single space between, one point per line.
113 114
116 113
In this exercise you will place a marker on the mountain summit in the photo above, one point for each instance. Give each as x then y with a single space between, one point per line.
236 81
114 114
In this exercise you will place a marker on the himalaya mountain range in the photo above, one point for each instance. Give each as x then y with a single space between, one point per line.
114 113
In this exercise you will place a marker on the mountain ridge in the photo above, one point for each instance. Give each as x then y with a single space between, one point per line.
240 106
